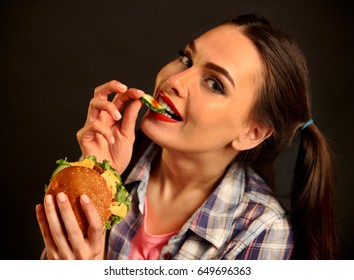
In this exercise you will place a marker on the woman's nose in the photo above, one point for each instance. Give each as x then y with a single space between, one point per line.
180 83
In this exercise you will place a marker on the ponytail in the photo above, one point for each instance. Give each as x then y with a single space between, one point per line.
283 105
312 198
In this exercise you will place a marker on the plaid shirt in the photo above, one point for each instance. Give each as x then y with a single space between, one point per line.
239 220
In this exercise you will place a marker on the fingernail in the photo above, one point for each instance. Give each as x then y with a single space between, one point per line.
48 199
140 92
61 197
85 198
38 208
123 87
117 115
112 140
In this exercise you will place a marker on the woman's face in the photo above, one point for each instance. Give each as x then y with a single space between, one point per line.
211 89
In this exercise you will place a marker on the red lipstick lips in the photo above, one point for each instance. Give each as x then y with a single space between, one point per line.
171 110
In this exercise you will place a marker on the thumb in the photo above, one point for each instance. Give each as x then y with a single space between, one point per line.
130 117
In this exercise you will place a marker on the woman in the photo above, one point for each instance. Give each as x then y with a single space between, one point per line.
237 96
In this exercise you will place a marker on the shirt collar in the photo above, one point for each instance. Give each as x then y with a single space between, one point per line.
211 219
141 172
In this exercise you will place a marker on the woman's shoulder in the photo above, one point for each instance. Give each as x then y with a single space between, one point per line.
258 193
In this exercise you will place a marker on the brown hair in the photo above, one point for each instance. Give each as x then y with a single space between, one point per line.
284 106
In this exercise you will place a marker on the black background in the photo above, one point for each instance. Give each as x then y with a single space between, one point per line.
54 53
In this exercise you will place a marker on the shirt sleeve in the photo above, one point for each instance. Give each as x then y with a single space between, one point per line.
273 243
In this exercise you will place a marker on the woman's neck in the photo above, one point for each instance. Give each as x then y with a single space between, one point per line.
176 172
178 185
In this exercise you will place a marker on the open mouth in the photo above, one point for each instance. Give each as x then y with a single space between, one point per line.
170 110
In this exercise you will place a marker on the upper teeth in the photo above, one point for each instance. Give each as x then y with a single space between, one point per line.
166 106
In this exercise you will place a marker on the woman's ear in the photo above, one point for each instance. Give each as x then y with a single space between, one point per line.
251 138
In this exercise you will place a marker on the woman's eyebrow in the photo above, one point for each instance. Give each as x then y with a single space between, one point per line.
211 65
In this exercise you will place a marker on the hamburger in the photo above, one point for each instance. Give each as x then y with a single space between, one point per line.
99 181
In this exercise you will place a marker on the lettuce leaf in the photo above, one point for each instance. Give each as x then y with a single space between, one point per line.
62 161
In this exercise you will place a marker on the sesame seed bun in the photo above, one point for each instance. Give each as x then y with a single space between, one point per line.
77 180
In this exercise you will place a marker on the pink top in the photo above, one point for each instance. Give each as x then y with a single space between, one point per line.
146 246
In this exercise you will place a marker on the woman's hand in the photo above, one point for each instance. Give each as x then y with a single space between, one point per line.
61 233
102 135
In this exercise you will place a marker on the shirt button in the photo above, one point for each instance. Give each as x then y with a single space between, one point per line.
167 256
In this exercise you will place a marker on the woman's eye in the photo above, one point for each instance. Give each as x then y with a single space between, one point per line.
215 85
185 59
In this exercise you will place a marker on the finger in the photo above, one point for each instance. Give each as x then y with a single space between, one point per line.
97 129
95 231
55 226
71 225
130 117
121 99
104 90
98 106
44 227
